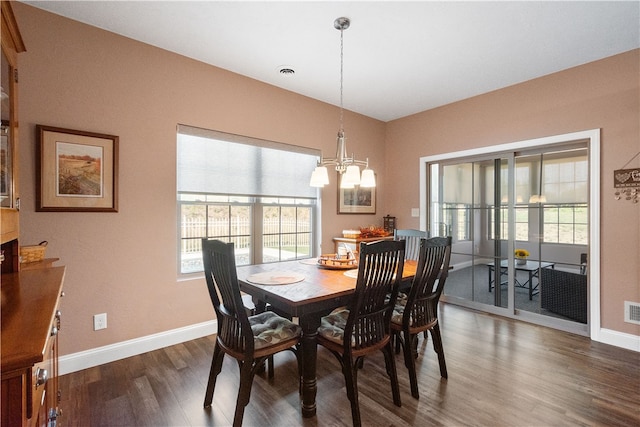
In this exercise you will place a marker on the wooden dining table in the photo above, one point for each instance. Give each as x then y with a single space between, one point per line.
321 291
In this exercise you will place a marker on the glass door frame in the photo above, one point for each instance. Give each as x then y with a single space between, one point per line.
592 138
500 249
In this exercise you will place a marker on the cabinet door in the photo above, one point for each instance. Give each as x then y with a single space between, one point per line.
12 45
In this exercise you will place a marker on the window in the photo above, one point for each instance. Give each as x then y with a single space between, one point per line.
521 211
521 220
565 189
286 231
250 192
557 182
457 218
566 224
455 191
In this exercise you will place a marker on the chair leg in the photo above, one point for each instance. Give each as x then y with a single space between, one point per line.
410 362
350 371
390 363
298 353
216 367
270 367
244 392
396 340
437 345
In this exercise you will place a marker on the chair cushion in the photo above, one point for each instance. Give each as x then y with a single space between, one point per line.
269 329
332 326
398 310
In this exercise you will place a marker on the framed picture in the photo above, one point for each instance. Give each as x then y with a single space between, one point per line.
356 200
76 171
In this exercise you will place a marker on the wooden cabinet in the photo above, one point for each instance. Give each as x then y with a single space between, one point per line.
354 243
30 299
31 321
12 45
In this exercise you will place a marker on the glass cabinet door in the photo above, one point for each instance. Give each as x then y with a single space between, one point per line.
6 146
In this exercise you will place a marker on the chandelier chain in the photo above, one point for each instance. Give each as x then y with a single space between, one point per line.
347 166
341 78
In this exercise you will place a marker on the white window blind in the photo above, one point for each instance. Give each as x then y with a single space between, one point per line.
222 163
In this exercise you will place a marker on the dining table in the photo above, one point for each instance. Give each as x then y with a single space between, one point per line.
305 290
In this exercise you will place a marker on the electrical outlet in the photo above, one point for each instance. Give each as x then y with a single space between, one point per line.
99 321
415 212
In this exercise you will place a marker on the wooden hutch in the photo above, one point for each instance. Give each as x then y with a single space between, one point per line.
30 296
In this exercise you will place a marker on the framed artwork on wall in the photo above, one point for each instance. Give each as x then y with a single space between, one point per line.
356 200
76 171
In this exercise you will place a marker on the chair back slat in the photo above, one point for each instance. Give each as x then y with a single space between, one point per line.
379 275
429 281
234 330
412 239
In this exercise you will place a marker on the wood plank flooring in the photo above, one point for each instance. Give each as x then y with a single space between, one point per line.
502 372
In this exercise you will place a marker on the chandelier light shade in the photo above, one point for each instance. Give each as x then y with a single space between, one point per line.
347 166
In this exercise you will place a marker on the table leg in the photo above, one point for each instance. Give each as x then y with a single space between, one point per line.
530 285
309 326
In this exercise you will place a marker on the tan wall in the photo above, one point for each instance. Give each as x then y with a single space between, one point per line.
79 77
124 264
603 94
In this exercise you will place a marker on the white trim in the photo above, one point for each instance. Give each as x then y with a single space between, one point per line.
594 236
110 353
593 136
620 339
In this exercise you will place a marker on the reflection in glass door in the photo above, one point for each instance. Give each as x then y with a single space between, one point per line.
466 201
533 204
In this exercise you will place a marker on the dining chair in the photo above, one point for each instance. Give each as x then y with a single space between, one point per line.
251 340
363 326
412 251
412 237
418 311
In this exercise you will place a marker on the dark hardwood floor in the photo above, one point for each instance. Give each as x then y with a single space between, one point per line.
501 373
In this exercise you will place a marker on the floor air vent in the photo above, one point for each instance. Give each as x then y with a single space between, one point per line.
632 312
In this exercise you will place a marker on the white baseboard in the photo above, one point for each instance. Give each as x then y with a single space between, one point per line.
619 339
109 353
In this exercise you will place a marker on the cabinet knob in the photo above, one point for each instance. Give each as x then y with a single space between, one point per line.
54 331
41 377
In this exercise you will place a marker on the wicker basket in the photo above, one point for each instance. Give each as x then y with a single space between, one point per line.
350 234
33 253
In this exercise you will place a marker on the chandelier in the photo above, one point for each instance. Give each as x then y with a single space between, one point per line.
347 167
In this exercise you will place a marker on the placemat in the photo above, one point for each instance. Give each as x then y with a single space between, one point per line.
354 274
275 278
309 261
351 273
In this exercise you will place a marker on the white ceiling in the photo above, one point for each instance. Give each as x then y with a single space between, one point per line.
400 58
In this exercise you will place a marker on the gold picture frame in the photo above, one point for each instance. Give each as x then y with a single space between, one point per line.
76 171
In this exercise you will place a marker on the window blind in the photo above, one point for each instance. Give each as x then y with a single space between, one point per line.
221 163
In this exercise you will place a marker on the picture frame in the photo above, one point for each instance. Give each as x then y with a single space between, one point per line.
76 171
356 200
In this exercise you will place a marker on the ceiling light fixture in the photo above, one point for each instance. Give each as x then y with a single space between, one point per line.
348 167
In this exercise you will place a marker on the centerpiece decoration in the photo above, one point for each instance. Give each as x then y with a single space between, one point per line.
373 231
521 256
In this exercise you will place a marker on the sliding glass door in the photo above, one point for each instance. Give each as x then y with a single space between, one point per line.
466 200
519 224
